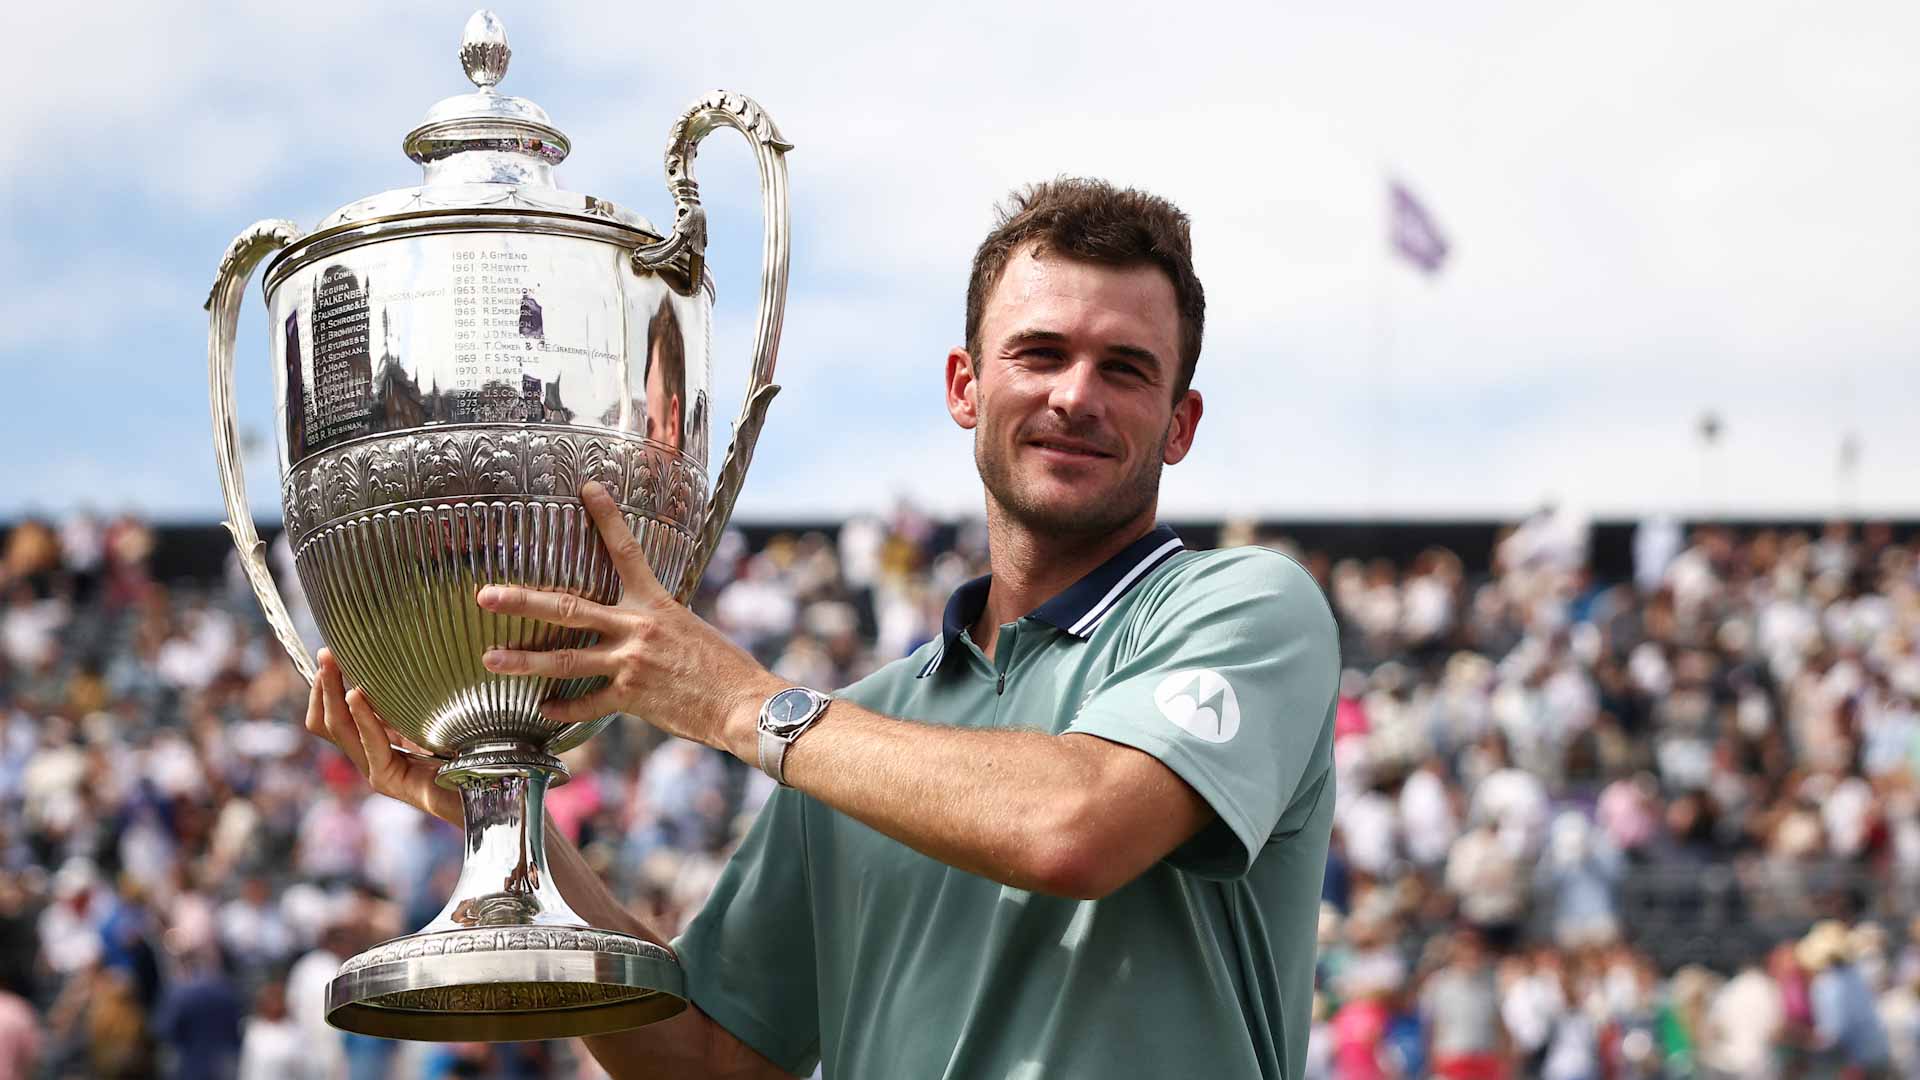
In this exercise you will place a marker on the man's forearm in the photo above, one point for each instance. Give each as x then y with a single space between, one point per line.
1023 808
687 1045
996 803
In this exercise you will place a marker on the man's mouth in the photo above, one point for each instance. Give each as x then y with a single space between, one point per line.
1069 447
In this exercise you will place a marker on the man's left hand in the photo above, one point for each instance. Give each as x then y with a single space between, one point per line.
662 662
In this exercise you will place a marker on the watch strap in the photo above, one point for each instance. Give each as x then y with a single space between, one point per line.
773 757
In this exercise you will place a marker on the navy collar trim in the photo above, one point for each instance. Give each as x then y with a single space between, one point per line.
1079 608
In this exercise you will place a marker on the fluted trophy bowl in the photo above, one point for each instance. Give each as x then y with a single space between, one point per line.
452 362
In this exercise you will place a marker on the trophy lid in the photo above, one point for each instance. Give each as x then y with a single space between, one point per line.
486 122
485 150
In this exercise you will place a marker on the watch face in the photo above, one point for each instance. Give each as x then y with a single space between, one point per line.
788 710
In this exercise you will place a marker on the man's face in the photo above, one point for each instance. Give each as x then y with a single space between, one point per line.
1071 400
663 409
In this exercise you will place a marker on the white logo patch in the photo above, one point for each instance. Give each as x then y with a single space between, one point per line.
1201 703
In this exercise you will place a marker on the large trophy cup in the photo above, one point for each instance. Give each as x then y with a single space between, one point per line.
453 361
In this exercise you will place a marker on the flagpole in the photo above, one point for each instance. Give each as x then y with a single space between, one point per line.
1413 234
1712 498
1848 486
1381 348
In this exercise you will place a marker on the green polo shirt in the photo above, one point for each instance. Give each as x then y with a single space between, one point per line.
826 941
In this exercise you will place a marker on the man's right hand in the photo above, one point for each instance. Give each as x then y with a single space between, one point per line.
346 719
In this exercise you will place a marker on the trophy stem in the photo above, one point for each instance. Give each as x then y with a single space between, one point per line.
507 958
504 879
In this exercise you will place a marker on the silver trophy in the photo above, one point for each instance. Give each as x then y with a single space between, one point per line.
453 361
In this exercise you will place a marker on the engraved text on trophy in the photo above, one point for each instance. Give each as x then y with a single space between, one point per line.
342 398
496 322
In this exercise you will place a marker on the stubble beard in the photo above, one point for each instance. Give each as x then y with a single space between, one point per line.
1126 501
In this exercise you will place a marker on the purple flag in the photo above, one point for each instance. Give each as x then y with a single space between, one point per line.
1412 230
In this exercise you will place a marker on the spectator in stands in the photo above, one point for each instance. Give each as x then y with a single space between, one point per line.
1359 1028
1847 1032
273 1047
21 1039
1491 882
1742 1025
99 1028
306 996
1461 1004
200 1018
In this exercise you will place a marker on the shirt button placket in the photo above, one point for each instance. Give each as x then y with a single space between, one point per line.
1004 651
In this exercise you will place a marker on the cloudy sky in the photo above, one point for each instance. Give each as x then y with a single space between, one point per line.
1657 209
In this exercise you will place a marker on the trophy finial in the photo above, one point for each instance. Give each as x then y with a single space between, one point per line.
484 136
483 49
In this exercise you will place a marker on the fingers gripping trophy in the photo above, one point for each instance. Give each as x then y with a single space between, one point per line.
454 362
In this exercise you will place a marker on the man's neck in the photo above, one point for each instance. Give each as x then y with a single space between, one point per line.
1030 569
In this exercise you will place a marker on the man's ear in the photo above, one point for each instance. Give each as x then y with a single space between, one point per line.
1186 421
963 389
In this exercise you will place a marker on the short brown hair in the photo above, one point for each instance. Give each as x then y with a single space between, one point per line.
668 347
1084 218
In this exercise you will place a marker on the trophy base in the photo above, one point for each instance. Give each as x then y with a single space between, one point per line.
506 984
507 960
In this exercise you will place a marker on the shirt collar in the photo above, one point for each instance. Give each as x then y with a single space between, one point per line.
1079 608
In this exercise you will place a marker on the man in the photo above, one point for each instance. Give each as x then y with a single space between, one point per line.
1080 834
1461 1002
666 378
1848 1034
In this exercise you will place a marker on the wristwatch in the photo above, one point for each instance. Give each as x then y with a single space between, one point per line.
782 719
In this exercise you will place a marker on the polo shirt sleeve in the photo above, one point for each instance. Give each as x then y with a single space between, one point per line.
749 954
1229 680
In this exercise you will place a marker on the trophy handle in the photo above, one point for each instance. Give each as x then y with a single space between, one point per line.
689 241
223 306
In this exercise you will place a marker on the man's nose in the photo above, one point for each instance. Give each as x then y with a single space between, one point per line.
1076 389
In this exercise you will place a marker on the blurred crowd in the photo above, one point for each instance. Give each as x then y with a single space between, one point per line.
183 868
1657 827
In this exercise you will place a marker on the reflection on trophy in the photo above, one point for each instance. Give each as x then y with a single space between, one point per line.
453 361
666 376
